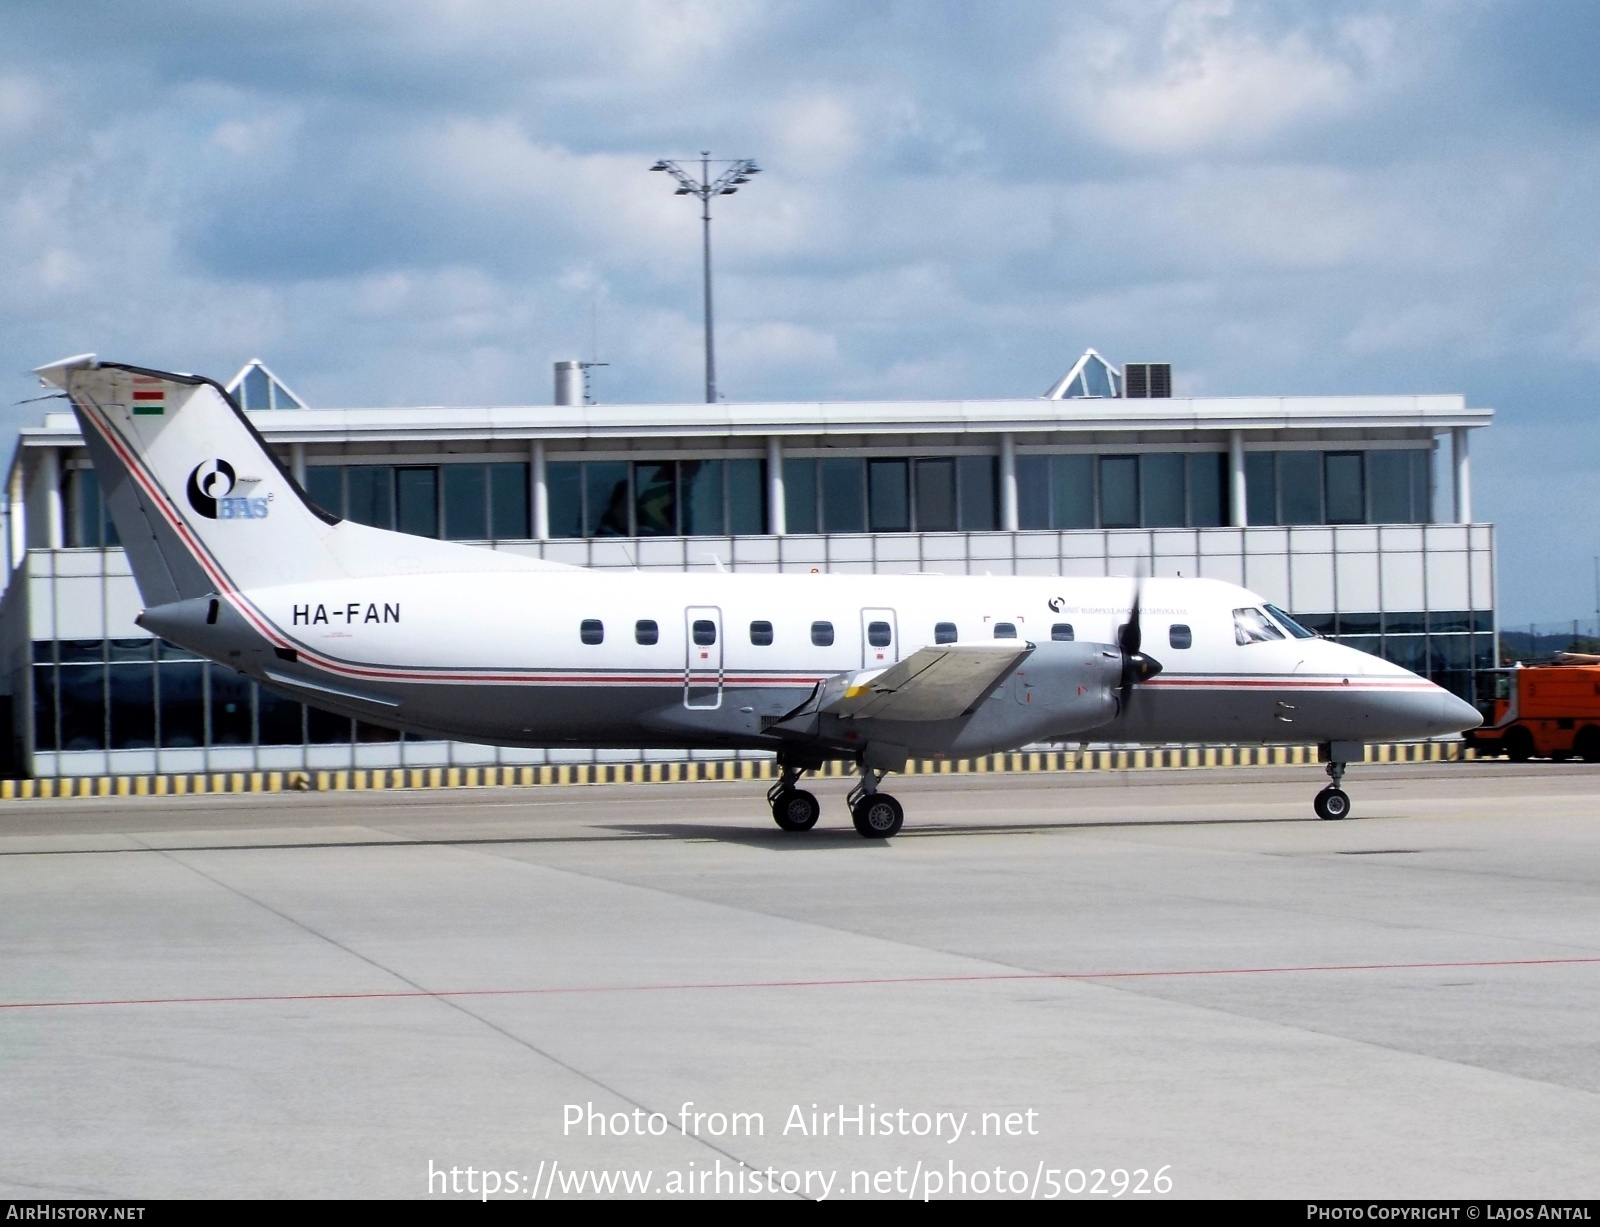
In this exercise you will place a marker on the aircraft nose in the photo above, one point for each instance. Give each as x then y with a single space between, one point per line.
1456 714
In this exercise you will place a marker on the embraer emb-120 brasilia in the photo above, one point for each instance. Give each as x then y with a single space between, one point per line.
235 562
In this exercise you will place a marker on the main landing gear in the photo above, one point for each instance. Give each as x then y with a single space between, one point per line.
793 809
876 815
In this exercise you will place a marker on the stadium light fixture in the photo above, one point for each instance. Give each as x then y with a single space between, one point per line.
736 171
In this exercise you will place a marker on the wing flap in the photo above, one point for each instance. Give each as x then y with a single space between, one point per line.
933 683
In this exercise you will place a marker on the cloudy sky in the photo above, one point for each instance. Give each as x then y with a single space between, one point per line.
428 201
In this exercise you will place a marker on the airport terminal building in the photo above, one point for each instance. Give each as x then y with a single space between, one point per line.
1353 512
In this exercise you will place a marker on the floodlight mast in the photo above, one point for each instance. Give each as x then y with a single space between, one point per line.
739 171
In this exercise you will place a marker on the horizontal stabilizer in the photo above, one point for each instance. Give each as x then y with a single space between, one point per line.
933 683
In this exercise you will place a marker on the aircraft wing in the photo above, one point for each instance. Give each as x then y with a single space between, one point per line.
933 683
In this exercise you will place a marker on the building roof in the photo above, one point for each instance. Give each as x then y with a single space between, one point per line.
814 418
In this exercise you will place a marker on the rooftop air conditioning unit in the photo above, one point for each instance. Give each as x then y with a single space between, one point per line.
1144 380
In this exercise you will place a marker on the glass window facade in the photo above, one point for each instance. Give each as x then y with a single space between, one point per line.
1208 489
139 694
460 502
856 494
800 496
1119 491
466 501
936 495
417 501
1148 490
1162 490
1261 487
1349 487
1033 492
889 496
978 483
1300 487
88 519
852 494
703 494
657 498
841 483
1072 498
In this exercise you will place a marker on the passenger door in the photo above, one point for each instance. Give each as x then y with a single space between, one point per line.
880 638
702 665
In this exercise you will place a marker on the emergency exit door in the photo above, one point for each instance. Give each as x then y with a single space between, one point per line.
880 638
702 665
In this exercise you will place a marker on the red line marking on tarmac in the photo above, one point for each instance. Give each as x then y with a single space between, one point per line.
865 982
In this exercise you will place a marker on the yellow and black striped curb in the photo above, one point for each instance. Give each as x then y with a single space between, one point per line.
385 778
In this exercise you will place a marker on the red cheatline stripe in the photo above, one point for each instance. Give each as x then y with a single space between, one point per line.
864 982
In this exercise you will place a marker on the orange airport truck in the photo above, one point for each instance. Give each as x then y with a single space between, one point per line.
1545 711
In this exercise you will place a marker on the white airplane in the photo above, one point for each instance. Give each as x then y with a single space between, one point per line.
236 563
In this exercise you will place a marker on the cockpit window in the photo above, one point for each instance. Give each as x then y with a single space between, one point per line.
1253 626
1289 624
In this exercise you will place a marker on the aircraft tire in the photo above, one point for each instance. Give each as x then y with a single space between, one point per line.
1332 804
878 816
796 810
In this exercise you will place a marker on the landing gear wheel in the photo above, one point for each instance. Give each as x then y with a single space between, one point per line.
795 809
877 816
1332 803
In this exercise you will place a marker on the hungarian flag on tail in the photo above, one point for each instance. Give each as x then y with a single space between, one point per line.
149 396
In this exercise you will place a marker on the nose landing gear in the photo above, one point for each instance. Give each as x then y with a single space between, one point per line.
1333 803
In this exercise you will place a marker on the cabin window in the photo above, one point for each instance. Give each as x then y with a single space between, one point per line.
944 632
761 634
592 630
646 632
1005 630
704 631
879 635
1061 632
1253 626
822 634
1180 636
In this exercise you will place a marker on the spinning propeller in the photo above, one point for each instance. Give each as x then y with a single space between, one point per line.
1136 666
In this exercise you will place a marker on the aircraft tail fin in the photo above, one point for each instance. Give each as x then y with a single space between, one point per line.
204 506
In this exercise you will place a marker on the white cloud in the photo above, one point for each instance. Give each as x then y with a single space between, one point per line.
780 344
816 133
22 104
1206 80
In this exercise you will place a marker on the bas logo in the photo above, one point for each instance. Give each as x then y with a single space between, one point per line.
211 482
